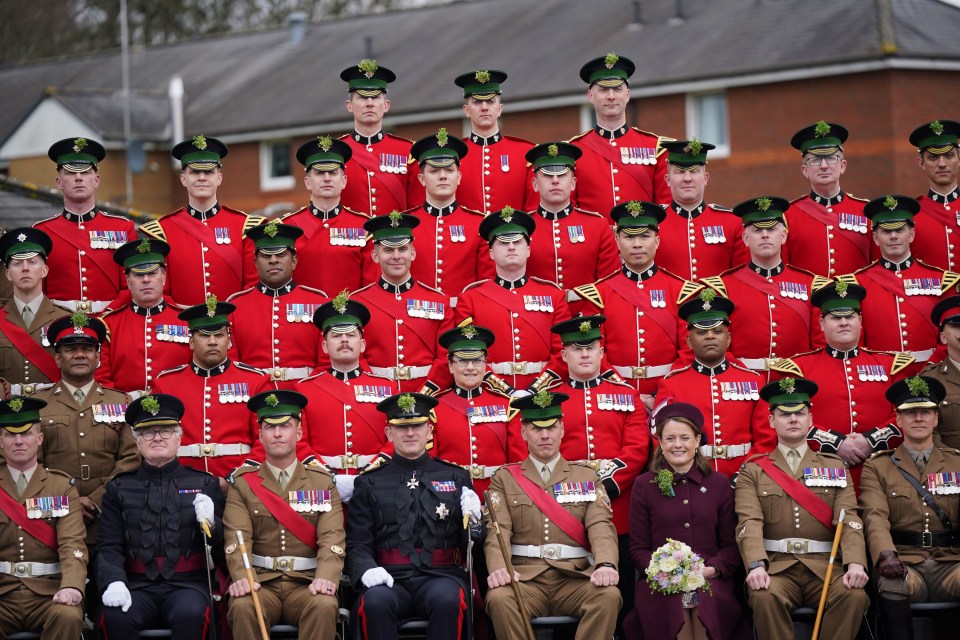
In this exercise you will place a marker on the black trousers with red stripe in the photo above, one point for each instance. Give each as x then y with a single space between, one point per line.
161 605
440 601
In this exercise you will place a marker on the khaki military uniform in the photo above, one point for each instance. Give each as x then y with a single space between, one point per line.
767 512
890 504
284 596
13 365
89 441
26 603
947 433
549 586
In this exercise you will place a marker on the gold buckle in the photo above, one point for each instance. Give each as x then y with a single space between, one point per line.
84 472
279 373
638 372
799 546
348 461
283 564
550 552
28 389
402 373
518 367
21 569
206 450
718 452
476 472
83 305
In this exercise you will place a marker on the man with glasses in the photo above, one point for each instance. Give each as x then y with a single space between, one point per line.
939 160
150 545
297 545
829 234
407 529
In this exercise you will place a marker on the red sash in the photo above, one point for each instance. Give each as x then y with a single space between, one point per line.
550 507
894 285
514 303
462 407
30 348
936 211
281 509
641 300
42 530
227 252
391 181
308 222
761 284
819 213
108 268
799 492
642 174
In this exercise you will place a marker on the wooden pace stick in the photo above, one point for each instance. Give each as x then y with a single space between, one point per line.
207 551
826 581
253 592
528 628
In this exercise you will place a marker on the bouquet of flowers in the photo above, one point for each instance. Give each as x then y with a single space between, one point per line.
675 568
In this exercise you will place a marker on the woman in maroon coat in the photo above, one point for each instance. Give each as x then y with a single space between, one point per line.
700 513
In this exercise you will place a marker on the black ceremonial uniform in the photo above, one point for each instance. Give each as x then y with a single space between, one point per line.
405 516
149 539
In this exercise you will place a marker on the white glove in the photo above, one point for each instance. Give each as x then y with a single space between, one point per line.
470 504
345 486
203 507
117 595
376 576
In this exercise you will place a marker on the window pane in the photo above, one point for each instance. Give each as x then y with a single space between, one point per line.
711 120
279 159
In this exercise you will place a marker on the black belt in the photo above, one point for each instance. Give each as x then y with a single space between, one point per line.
926 539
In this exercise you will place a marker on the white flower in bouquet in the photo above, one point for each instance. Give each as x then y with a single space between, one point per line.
675 568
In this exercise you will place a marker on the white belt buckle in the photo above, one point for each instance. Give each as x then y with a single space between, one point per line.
550 551
402 373
798 546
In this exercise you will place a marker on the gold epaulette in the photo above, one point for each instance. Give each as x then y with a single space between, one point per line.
850 278
786 365
819 282
689 289
948 280
154 230
901 361
253 221
545 380
590 293
716 283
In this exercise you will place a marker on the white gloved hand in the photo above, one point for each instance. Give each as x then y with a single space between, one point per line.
203 507
376 576
117 595
470 504
345 486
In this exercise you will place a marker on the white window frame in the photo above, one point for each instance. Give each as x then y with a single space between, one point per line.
267 181
692 118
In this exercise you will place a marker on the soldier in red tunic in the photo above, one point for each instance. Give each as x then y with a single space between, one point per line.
448 244
341 422
775 318
85 276
273 322
218 430
494 171
514 305
726 392
901 290
332 233
406 317
828 231
939 160
208 252
144 336
644 334
378 179
620 162
576 247
699 239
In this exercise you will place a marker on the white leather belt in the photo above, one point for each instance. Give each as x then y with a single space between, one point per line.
284 563
212 450
288 373
87 306
401 373
760 364
550 551
725 452
640 373
481 472
921 356
517 368
349 461
29 388
26 569
798 545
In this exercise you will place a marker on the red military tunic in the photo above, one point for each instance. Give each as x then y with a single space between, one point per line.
472 429
896 311
773 318
216 413
828 236
405 322
141 342
735 422
643 334
572 247
450 252
605 423
379 179
495 173
334 237
208 252
520 314
81 262
341 422
619 166
703 242
937 227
